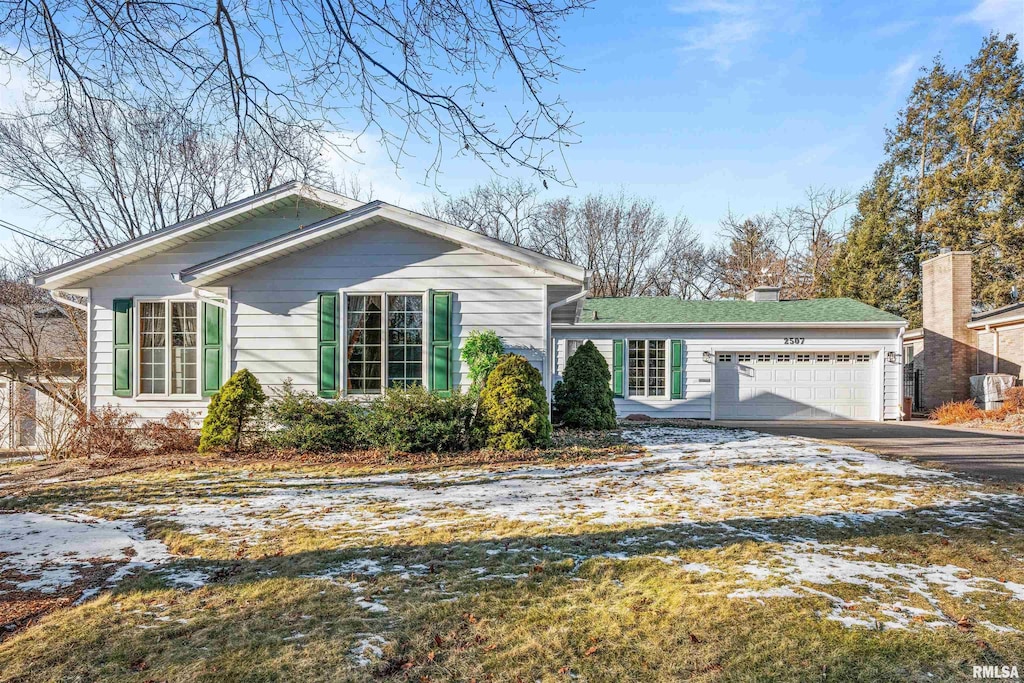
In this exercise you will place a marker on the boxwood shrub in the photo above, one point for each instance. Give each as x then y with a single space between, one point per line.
513 408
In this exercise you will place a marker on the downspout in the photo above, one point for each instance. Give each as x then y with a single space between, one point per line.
549 356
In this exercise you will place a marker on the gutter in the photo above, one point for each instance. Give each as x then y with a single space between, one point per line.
860 324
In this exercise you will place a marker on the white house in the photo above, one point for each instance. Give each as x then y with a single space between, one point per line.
347 299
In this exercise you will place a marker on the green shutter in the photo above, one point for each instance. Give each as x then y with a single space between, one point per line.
677 368
327 344
618 367
122 347
212 348
442 355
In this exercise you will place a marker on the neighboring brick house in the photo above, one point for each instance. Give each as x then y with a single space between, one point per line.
956 342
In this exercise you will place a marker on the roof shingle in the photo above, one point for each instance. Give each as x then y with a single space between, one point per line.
673 310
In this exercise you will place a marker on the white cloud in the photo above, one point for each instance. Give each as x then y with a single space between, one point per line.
1005 16
901 74
722 30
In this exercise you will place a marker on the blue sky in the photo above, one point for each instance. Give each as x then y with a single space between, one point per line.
712 105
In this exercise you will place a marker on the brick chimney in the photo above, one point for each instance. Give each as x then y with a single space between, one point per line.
949 347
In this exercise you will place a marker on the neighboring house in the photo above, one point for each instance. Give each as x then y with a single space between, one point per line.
346 299
956 342
36 339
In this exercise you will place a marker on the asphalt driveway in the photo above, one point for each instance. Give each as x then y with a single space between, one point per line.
982 453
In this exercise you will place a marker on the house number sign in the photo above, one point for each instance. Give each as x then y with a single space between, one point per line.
793 340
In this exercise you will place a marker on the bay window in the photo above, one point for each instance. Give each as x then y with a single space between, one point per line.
647 367
379 327
168 348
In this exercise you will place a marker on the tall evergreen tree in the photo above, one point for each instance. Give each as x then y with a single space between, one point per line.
876 262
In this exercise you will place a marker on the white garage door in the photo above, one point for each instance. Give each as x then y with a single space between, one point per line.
794 386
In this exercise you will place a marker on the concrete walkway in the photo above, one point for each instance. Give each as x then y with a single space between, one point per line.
982 453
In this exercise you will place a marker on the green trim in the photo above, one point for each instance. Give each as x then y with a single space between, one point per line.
212 348
327 344
619 368
673 310
122 309
677 369
441 375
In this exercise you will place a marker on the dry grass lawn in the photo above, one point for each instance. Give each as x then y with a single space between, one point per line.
694 554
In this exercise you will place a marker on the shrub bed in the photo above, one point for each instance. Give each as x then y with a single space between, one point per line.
415 420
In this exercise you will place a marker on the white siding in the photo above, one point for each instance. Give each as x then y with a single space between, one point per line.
274 306
151 277
698 376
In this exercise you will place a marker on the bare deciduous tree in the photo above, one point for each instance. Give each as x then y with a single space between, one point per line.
106 179
813 229
402 70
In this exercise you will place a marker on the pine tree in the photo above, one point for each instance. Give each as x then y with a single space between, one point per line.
875 263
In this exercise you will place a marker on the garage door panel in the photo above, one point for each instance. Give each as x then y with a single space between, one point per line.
775 386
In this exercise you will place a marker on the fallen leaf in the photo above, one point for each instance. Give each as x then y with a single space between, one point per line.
590 650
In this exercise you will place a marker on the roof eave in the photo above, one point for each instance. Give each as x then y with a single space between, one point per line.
214 269
63 276
860 325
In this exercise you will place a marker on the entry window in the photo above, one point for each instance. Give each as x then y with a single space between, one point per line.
725 358
363 352
379 327
783 358
405 341
843 358
744 357
908 355
168 363
647 367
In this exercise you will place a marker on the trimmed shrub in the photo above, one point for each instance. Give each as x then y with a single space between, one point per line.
176 433
957 411
306 422
584 396
232 412
513 408
415 420
482 351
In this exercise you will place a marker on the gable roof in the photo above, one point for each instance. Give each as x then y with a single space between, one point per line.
366 215
66 275
671 310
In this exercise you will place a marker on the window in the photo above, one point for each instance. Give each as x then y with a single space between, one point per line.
764 358
168 363
725 358
863 357
908 354
783 358
744 357
843 358
405 340
823 357
369 342
803 358
646 367
572 346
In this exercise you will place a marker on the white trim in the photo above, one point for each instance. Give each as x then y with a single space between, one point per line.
330 228
106 260
667 350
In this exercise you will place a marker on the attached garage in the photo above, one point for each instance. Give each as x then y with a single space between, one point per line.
825 385
755 359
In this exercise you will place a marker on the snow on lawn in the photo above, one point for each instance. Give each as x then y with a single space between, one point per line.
699 488
50 551
688 475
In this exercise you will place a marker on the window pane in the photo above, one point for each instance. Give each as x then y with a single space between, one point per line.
184 356
363 351
656 368
405 340
637 367
152 347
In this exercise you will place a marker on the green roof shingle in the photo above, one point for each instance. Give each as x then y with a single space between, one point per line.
673 310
